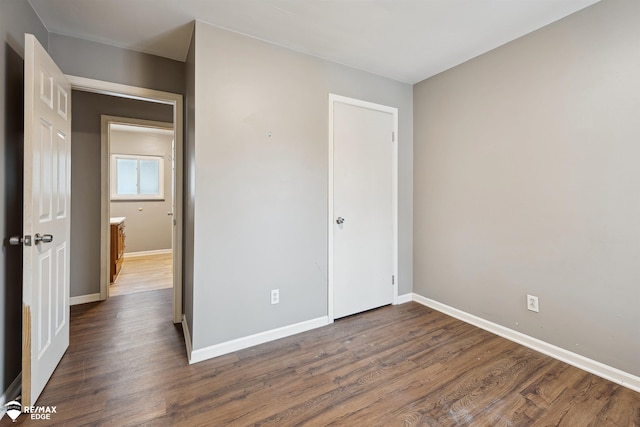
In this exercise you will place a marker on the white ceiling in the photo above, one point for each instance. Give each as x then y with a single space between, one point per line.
407 40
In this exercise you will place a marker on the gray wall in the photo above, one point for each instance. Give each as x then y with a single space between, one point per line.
93 60
85 178
148 227
189 185
16 18
261 212
527 182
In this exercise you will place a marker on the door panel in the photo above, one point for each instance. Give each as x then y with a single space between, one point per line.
362 201
47 192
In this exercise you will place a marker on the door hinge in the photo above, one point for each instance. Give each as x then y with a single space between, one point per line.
393 137
393 280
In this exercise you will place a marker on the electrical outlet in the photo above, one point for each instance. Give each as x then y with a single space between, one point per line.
532 303
275 296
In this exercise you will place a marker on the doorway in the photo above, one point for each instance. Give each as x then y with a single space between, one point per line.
141 162
362 215
175 102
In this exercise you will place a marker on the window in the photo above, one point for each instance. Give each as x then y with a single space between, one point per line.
137 177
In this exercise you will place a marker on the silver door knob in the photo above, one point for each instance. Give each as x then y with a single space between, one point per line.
18 240
45 238
340 220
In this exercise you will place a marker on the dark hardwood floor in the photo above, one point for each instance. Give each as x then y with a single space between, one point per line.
396 366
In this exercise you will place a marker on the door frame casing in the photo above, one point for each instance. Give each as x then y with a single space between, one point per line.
105 145
333 98
160 97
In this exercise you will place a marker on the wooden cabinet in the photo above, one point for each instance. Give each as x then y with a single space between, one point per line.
117 248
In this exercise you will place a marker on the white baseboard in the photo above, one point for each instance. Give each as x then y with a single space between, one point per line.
145 253
593 366
83 299
241 343
187 337
404 298
11 393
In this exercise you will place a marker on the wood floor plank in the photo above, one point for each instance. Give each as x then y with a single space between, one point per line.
143 273
403 365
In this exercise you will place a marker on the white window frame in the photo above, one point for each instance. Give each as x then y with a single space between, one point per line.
114 178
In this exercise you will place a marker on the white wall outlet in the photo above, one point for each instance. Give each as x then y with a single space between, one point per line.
275 296
532 303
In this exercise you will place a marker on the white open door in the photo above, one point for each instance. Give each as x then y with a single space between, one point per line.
363 198
47 192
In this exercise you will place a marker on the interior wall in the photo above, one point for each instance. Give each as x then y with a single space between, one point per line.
189 184
526 182
98 61
148 225
261 214
16 19
87 109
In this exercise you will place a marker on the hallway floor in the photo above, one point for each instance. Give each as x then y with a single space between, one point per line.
144 273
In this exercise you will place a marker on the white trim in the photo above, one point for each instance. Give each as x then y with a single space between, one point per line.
122 91
83 299
150 95
402 299
260 338
145 253
593 366
11 393
187 337
330 217
333 98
